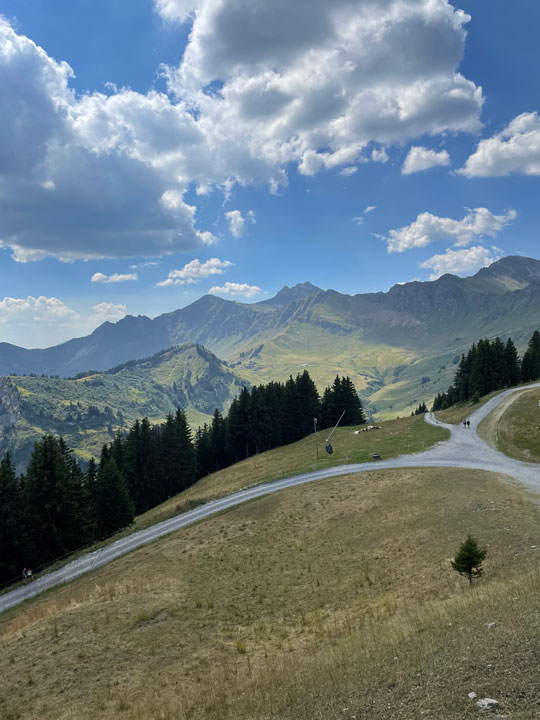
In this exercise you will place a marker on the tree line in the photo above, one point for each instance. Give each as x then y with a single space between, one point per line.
55 507
491 365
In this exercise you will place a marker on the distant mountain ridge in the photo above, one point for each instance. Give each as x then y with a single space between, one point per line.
389 342
89 410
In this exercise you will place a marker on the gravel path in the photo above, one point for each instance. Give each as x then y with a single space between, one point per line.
465 449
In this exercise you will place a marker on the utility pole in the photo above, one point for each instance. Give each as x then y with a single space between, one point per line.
315 433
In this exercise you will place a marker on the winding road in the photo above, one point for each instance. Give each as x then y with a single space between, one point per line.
464 449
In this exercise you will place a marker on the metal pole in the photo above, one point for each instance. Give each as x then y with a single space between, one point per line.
335 426
315 433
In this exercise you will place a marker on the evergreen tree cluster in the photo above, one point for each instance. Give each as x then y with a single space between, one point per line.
272 415
491 365
55 507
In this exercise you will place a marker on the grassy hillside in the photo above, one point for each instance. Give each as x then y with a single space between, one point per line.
332 600
515 428
392 381
89 410
395 437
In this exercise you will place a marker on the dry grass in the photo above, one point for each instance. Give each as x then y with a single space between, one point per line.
514 428
459 412
396 437
331 600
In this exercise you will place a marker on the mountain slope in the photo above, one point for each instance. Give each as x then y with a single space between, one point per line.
89 410
399 347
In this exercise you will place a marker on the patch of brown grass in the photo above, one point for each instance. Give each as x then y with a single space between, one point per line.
514 428
333 595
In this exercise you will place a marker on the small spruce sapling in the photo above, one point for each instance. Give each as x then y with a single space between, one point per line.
469 559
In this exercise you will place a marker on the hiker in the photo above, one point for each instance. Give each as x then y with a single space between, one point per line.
24 575
464 423
468 423
29 574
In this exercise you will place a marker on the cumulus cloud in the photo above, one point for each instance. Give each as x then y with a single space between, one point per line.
420 158
194 271
41 309
460 261
106 311
88 177
516 149
348 171
237 222
428 228
45 321
115 278
235 289
261 86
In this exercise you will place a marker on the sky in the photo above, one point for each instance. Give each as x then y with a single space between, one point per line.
154 151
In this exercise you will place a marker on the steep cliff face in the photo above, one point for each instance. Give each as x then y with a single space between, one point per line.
10 411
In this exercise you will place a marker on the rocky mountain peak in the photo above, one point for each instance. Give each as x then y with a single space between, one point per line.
288 294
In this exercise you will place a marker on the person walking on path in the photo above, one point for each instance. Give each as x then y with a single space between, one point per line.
24 575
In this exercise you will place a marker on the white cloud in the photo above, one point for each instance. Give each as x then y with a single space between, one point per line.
45 321
89 177
420 158
313 82
428 228
237 224
369 209
359 220
348 171
32 309
514 150
106 311
194 271
460 261
235 289
115 278
379 155
175 10
261 85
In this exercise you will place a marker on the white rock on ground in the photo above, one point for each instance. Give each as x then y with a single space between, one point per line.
487 704
472 695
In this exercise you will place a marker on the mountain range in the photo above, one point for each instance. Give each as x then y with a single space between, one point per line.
400 347
88 411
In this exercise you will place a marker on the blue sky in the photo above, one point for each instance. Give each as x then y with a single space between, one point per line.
154 151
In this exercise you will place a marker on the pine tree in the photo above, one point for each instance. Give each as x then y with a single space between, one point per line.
202 447
114 507
530 366
308 403
51 505
184 455
12 530
354 412
469 559
512 369
237 427
218 458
